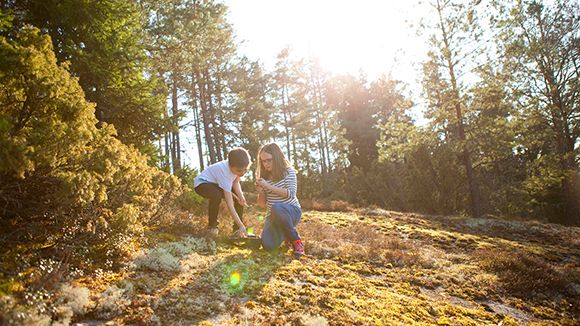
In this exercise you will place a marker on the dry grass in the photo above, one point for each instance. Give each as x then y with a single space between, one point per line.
326 205
362 268
362 242
521 273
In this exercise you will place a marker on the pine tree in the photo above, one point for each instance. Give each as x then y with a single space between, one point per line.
452 46
103 41
540 45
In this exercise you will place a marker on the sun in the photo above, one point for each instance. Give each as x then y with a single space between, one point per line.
346 37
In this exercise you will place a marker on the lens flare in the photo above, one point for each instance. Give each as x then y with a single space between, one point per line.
235 278
250 231
261 218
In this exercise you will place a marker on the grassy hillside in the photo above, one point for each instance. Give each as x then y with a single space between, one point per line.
364 267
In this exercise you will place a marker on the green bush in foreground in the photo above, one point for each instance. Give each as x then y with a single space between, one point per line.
65 182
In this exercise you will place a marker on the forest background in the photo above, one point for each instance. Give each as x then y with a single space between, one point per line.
94 97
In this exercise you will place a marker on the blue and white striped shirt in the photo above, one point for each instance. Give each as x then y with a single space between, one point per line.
288 182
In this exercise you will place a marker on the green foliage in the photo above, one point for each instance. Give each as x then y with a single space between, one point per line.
189 200
539 44
42 107
517 135
349 96
249 85
424 168
76 186
104 43
5 20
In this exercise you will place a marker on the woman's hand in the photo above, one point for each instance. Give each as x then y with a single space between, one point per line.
261 183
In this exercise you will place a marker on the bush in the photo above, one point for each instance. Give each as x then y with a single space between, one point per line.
326 205
63 180
189 199
521 273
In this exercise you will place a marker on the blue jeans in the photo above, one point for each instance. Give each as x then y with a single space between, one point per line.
281 225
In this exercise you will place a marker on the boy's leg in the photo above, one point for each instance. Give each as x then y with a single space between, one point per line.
285 218
215 194
271 236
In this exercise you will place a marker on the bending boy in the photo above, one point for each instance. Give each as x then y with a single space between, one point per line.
220 180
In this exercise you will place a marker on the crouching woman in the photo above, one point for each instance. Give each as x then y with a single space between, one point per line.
276 186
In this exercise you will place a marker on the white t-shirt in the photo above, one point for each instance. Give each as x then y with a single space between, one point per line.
218 173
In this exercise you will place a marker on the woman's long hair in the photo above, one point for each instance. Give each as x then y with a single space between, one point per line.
280 164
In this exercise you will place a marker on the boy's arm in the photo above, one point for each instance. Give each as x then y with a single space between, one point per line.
230 203
237 187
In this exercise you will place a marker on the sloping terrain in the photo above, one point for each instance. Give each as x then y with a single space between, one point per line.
365 267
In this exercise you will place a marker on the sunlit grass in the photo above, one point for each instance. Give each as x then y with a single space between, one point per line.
359 269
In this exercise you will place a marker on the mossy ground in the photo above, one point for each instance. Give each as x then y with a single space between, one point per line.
366 267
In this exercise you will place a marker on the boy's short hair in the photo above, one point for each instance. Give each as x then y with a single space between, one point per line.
238 158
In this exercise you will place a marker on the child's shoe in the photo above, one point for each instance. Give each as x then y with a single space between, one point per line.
298 248
213 233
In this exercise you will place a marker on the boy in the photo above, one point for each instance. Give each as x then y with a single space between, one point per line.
220 180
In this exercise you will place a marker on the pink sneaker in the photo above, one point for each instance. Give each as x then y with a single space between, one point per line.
298 248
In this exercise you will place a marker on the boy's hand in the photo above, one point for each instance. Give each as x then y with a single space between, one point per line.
242 232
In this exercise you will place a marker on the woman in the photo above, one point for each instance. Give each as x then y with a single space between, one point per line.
276 185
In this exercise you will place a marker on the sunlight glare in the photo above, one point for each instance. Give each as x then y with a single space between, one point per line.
345 36
235 278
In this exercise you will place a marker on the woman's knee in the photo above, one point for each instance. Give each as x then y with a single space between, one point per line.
279 212
277 209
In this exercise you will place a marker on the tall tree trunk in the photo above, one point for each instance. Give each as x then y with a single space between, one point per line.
294 153
176 148
471 179
564 141
205 117
198 138
167 145
323 169
321 125
196 123
321 145
214 121
565 138
326 146
222 130
160 144
285 116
